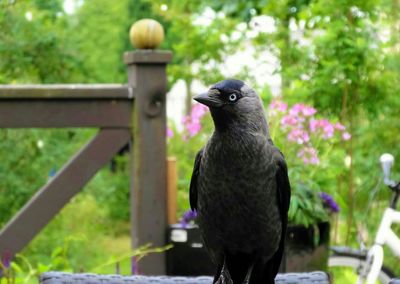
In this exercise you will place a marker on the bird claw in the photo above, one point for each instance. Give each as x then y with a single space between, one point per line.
224 278
248 275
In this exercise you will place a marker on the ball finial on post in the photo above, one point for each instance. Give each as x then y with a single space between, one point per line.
146 34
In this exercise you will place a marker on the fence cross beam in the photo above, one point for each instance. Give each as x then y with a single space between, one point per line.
46 106
49 200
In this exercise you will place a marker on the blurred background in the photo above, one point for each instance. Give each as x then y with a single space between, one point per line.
328 73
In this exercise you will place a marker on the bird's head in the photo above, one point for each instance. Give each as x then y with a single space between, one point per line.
232 103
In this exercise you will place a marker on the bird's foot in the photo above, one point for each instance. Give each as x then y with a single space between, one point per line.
248 274
225 276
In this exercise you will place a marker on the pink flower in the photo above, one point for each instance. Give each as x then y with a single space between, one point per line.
192 123
302 109
278 105
295 110
170 133
299 136
323 124
289 120
309 111
198 111
339 126
328 129
314 123
193 128
346 136
309 155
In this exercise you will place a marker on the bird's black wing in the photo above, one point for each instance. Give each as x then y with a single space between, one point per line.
283 187
282 180
193 181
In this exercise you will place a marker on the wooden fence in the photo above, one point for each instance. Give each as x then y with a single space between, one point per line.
133 113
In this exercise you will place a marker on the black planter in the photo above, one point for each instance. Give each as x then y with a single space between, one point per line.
307 249
188 257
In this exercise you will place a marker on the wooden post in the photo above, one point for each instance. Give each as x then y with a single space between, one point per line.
172 179
147 75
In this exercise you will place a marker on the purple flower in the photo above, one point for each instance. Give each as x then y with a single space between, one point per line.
134 266
329 202
6 259
187 217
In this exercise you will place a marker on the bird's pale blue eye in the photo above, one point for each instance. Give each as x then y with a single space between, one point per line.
232 97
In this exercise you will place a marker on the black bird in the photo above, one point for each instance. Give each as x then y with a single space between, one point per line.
240 188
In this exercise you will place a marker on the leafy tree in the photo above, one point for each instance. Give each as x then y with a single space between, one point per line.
348 73
99 31
198 48
33 45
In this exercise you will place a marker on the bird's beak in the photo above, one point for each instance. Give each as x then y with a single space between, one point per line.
208 100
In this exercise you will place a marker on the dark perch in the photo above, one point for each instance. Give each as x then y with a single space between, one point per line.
66 278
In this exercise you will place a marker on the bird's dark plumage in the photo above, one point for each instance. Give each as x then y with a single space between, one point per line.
229 85
240 187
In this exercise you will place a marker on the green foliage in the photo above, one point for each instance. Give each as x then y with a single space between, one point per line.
306 207
21 270
34 47
86 222
100 36
112 187
30 157
352 65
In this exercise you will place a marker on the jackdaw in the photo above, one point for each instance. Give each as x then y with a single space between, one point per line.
240 188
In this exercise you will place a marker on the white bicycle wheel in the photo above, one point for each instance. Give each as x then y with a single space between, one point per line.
345 269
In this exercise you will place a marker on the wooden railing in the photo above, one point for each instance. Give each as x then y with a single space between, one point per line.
133 113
